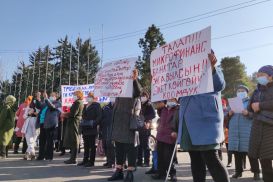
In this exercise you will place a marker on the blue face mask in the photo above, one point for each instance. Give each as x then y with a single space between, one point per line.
263 80
242 95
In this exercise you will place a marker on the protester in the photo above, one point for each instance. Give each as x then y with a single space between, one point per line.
166 140
261 104
152 139
29 130
148 113
71 138
201 129
20 122
62 126
51 122
239 134
91 118
105 133
59 129
7 122
226 126
40 103
123 136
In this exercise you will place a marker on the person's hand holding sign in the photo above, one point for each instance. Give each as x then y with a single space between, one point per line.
45 95
135 74
213 60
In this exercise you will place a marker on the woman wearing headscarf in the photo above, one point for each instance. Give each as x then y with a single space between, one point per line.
239 134
7 122
19 125
166 140
71 138
29 130
261 138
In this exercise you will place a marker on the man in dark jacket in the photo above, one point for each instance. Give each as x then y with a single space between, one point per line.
105 133
51 122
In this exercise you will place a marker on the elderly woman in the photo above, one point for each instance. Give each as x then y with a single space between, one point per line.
166 140
148 113
201 129
71 138
239 134
122 135
7 122
90 120
261 103
19 125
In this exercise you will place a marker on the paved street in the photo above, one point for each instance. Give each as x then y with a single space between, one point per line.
17 169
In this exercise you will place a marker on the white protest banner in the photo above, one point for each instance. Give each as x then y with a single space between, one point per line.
115 79
68 90
236 104
182 68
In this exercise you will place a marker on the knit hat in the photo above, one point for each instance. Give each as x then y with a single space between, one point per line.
268 69
243 87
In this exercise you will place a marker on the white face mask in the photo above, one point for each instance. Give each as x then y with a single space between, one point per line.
75 97
143 99
89 99
242 95
171 104
52 98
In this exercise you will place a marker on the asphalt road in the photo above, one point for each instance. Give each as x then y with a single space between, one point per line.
16 169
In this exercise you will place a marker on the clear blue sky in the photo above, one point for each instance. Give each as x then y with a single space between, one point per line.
26 25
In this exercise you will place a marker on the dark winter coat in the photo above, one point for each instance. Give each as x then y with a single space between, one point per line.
122 114
148 111
165 127
106 122
261 139
92 112
52 114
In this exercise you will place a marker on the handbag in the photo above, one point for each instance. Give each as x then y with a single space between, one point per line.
136 121
87 123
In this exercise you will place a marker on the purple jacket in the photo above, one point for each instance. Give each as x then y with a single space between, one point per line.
164 129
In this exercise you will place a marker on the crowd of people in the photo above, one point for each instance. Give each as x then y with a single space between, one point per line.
201 124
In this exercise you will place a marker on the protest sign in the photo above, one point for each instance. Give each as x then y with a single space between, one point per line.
236 104
182 68
115 79
68 90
